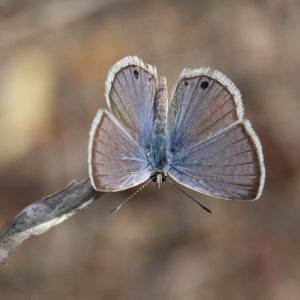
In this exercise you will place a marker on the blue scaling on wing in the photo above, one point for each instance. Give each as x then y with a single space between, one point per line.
213 149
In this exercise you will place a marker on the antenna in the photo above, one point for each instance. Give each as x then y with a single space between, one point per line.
126 200
185 193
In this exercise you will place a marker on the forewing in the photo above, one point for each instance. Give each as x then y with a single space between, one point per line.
214 151
116 162
203 103
130 91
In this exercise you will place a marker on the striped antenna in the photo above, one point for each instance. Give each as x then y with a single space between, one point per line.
185 193
132 195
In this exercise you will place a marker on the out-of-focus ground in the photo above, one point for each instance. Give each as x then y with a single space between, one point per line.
54 58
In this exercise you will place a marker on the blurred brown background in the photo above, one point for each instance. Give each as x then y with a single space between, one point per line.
54 58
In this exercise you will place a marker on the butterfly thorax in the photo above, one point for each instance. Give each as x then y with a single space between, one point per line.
158 154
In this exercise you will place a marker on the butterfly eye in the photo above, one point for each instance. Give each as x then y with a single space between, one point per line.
136 74
154 177
204 84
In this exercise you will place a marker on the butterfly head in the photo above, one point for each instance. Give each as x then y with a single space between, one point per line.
159 178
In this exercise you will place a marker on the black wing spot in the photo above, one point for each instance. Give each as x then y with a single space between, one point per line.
186 83
136 74
204 84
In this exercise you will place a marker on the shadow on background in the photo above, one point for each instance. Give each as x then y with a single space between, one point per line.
54 58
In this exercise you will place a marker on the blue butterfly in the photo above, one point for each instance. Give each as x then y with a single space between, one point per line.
198 137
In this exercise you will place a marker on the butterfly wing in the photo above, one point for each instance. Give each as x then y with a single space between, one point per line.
130 92
116 162
215 151
118 138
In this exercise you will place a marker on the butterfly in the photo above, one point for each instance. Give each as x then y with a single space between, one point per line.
198 137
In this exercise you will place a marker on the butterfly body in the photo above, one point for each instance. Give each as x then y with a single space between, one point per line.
158 156
198 136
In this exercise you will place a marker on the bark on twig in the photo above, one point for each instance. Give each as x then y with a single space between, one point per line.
42 215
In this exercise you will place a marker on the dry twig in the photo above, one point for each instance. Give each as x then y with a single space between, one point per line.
42 215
